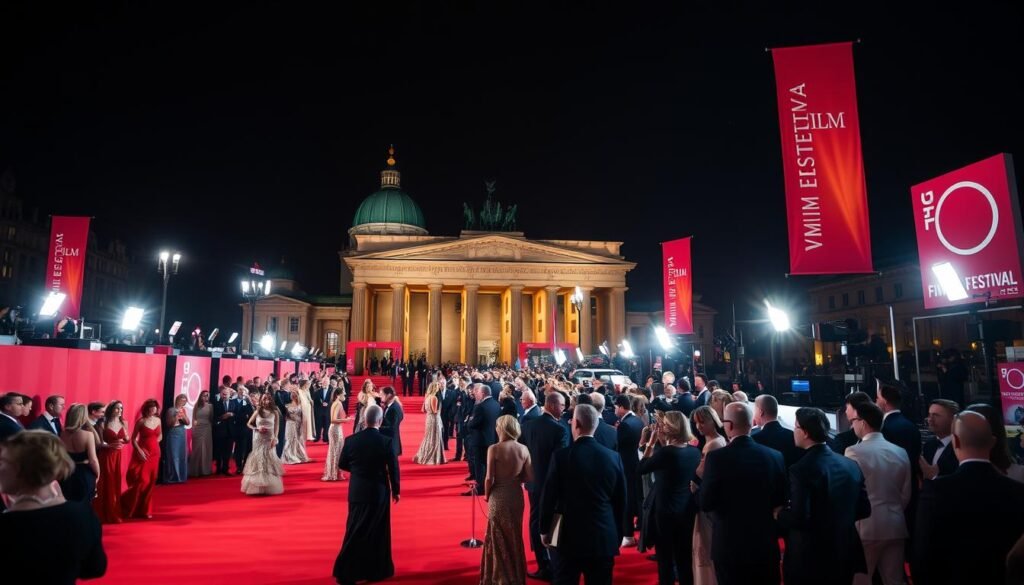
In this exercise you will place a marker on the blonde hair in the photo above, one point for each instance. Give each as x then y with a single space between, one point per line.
638 404
706 412
722 397
432 389
75 418
508 427
675 426
39 456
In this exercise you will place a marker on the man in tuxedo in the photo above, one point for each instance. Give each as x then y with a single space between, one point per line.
463 409
243 436
282 398
772 433
393 416
605 434
848 438
49 420
700 386
628 444
587 485
542 435
374 479
744 542
322 409
899 429
937 456
225 430
447 397
828 496
886 470
482 432
969 520
11 405
530 408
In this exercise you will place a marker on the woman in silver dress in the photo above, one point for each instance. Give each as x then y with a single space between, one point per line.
335 437
263 469
200 460
431 450
367 396
294 433
508 466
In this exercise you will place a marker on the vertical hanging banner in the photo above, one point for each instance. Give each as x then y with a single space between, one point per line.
678 280
65 265
826 195
969 230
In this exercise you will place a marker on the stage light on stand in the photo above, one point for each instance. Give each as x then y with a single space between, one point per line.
233 337
604 348
778 318
949 281
52 304
627 350
132 318
213 335
663 339
579 354
284 344
298 350
267 342
696 354
559 357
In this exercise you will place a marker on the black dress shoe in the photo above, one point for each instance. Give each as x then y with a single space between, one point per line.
540 575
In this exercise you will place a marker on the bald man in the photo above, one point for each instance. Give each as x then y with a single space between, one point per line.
969 520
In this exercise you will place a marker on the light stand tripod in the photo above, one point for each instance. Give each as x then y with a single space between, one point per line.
472 542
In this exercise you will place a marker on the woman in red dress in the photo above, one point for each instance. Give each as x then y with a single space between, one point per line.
137 500
114 434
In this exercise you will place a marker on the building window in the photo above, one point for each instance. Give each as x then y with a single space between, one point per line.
6 271
879 297
860 297
272 325
897 290
540 325
293 324
332 343
700 331
846 299
831 301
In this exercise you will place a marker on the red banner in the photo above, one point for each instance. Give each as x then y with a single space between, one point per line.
969 227
192 376
1011 394
65 266
678 286
826 196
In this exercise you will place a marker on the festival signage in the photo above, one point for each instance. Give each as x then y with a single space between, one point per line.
65 264
191 376
678 282
823 168
968 224
1011 393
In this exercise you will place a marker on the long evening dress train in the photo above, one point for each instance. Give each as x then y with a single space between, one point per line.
263 469
137 500
431 450
107 504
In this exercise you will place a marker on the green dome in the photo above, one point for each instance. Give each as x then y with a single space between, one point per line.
389 206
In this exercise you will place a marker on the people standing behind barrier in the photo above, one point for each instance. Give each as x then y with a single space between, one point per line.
200 460
175 442
80 441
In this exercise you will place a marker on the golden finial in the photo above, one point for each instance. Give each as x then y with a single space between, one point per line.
391 155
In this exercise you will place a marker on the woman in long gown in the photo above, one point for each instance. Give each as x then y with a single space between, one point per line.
200 460
113 431
367 396
263 470
335 437
431 450
294 432
176 457
306 400
508 465
710 426
137 500
80 443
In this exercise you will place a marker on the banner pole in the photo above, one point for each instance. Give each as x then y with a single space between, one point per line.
892 335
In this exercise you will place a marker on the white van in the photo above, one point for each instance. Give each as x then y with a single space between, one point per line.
590 373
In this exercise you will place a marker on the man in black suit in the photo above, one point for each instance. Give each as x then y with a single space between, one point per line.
937 455
744 542
898 429
828 497
49 420
627 444
447 397
700 387
587 485
848 438
282 398
530 409
969 520
482 432
542 436
225 429
605 434
11 405
772 433
374 478
243 436
322 409
393 417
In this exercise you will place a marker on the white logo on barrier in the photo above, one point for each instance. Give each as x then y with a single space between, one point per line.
992 230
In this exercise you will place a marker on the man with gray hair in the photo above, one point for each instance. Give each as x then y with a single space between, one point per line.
374 479
587 485
482 432
530 409
604 433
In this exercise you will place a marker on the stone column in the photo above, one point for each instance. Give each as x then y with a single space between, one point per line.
470 310
358 312
616 316
516 316
397 312
434 325
551 318
585 325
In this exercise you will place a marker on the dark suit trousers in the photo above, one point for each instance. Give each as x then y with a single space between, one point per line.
224 446
674 543
280 433
595 571
243 446
730 573
539 550
321 423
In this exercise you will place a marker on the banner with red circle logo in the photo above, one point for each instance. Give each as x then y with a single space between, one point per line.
969 229
1011 392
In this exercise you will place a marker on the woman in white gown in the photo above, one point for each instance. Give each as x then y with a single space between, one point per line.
335 437
294 432
263 470
306 399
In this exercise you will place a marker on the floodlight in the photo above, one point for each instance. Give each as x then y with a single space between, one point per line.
696 353
559 356
266 287
177 257
267 342
604 348
778 318
164 256
297 349
663 339
627 350
213 335
579 354
245 287
132 318
232 338
284 344
949 281
52 304
174 328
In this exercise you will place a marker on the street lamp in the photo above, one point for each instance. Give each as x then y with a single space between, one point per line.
577 303
780 323
254 289
166 266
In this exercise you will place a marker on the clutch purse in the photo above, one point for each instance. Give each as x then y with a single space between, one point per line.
556 529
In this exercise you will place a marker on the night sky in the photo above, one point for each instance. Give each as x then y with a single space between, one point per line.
242 132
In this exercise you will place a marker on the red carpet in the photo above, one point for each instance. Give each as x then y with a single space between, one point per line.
207 531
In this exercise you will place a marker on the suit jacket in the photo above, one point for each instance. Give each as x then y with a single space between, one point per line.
529 415
41 424
241 419
843 441
481 424
542 436
827 497
324 394
703 398
227 427
947 461
886 470
371 460
391 426
966 524
628 442
899 430
586 484
606 436
8 427
743 484
448 403
778 437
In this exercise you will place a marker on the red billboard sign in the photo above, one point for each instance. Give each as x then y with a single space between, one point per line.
826 196
1011 394
65 264
678 279
969 228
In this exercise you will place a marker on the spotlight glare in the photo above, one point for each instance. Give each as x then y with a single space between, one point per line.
164 256
559 356
950 281
284 344
174 328
778 317
627 350
132 318
233 337
579 354
213 335
267 342
663 339
52 304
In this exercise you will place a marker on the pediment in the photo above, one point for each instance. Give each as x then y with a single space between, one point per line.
492 248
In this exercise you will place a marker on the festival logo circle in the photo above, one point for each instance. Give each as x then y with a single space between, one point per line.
962 228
